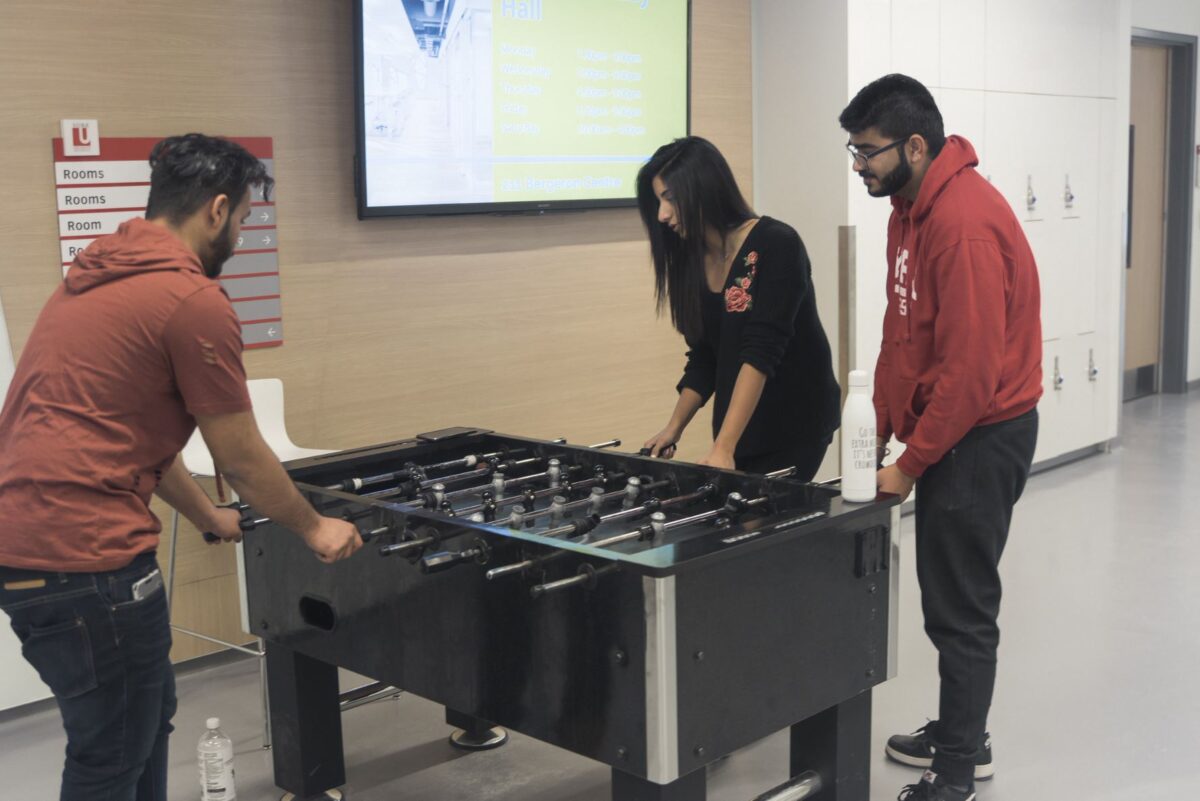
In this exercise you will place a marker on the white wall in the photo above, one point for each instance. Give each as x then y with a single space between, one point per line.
799 75
1181 17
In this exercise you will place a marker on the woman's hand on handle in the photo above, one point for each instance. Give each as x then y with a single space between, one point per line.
662 444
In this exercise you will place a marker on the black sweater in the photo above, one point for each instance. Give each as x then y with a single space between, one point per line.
766 316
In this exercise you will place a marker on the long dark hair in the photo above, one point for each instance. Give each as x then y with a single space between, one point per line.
705 196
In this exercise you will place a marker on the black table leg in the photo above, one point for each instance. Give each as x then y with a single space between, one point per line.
836 744
306 722
627 787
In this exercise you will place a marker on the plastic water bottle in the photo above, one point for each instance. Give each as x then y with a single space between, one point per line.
215 756
858 441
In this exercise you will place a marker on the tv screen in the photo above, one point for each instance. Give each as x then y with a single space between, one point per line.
514 105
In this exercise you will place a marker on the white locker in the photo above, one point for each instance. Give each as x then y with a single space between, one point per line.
1081 394
869 47
963 26
1023 167
963 114
1053 407
915 38
1076 143
1043 47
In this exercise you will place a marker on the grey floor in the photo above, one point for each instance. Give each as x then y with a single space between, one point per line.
1096 697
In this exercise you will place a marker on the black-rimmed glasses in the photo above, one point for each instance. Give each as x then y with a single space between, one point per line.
861 158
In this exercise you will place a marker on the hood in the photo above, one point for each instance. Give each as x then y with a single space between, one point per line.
137 247
956 156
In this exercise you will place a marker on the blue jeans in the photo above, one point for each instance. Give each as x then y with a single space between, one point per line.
105 656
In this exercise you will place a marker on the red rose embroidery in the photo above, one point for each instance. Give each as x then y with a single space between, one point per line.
752 258
737 299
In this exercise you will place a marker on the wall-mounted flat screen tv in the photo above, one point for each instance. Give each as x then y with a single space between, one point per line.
469 106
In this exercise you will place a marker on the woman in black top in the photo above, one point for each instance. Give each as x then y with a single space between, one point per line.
739 288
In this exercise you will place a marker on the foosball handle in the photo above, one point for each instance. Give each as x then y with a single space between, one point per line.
444 560
250 525
586 577
246 524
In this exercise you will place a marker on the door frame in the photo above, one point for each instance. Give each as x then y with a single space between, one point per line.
1177 243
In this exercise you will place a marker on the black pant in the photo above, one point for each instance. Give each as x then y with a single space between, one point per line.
806 457
964 506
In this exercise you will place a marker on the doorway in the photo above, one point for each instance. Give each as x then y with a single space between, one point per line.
1158 255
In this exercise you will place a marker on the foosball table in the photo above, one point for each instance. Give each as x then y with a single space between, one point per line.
648 614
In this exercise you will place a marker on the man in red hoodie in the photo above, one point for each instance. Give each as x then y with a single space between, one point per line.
957 381
137 347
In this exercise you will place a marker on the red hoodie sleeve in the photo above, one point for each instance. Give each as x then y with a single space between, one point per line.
969 337
883 420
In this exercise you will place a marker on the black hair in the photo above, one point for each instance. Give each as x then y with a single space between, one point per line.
705 196
898 106
188 171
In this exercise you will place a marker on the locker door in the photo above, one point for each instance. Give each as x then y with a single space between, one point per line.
1075 203
916 26
1052 408
1058 47
962 34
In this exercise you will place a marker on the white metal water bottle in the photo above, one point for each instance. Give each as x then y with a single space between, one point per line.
858 441
215 756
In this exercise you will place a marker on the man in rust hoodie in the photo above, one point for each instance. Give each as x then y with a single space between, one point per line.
137 346
957 381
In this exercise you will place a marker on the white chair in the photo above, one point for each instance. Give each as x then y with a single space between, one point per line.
7 364
266 399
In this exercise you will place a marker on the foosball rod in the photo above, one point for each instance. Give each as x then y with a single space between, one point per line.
439 497
358 483
596 501
649 507
252 523
510 500
437 493
588 574
355 484
560 507
410 488
788 471
554 471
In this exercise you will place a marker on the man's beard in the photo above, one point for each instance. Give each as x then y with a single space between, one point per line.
894 181
221 250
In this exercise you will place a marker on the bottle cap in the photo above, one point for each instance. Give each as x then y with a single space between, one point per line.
859 378
213 723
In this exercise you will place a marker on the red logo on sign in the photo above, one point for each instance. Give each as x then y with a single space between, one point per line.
81 135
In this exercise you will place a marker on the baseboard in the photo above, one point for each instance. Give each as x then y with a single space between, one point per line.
1193 386
1072 456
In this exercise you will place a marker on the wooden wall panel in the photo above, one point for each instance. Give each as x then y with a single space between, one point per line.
540 325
